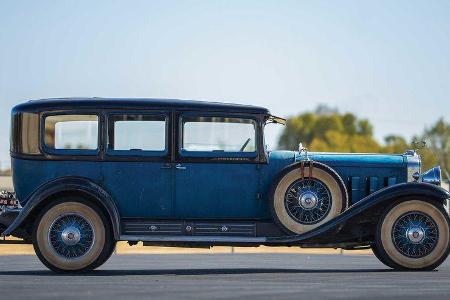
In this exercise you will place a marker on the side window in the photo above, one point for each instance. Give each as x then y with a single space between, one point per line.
71 132
137 133
219 134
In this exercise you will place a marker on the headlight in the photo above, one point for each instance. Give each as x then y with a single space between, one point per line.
432 176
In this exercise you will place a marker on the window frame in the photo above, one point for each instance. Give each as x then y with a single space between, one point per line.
137 153
224 156
72 152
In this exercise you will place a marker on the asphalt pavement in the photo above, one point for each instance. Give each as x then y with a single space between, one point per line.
224 276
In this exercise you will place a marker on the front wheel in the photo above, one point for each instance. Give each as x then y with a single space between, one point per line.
413 235
72 236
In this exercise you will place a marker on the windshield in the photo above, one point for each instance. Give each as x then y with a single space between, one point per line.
272 132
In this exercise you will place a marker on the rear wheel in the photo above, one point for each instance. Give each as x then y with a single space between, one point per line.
304 200
72 236
413 235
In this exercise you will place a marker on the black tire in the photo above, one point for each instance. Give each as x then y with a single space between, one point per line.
290 212
382 258
106 255
72 235
423 248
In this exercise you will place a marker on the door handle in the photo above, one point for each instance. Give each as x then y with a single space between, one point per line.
180 167
166 166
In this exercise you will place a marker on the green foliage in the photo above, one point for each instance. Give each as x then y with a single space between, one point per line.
438 140
328 130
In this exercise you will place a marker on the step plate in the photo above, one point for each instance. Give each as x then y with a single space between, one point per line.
187 228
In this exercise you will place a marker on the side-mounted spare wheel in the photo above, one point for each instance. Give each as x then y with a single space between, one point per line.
72 235
413 235
306 196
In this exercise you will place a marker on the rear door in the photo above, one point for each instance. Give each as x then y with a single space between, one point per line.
137 169
216 168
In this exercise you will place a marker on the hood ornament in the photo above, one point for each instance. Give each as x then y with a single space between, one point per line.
301 149
419 145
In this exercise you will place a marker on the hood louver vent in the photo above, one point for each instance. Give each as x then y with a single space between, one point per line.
361 188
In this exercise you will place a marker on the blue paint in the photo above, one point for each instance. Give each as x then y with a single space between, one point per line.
140 189
216 185
29 175
381 167
355 188
203 190
221 190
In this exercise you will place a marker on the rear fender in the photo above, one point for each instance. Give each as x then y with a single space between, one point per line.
66 185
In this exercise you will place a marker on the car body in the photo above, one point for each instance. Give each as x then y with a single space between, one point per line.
196 174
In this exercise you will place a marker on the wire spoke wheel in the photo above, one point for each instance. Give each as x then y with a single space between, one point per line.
308 201
415 234
71 236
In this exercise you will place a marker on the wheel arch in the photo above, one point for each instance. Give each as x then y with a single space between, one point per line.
384 198
62 187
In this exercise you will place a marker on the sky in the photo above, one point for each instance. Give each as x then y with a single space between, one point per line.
388 61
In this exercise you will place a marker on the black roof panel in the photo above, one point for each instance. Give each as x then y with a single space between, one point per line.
135 103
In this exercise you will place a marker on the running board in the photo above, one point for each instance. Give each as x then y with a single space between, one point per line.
208 241
193 239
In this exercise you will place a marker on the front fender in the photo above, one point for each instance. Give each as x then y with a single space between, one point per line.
426 191
67 184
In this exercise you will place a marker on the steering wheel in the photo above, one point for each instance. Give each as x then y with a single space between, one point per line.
245 145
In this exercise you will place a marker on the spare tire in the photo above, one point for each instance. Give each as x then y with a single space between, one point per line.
307 195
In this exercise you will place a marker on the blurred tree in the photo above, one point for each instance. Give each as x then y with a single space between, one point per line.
429 158
327 130
395 144
437 150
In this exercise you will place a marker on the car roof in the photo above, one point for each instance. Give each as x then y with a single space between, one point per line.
135 103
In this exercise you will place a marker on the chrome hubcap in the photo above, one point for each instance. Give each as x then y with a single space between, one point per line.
71 236
415 234
308 201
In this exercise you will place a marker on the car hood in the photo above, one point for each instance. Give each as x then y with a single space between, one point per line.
341 159
362 173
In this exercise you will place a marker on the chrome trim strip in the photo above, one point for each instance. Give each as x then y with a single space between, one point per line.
413 165
208 239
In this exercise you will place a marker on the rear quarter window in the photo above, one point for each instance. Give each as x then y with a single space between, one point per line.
71 132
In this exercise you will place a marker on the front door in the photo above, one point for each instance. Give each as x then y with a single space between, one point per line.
216 172
136 170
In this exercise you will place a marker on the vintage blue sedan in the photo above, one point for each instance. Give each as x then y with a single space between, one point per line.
89 172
